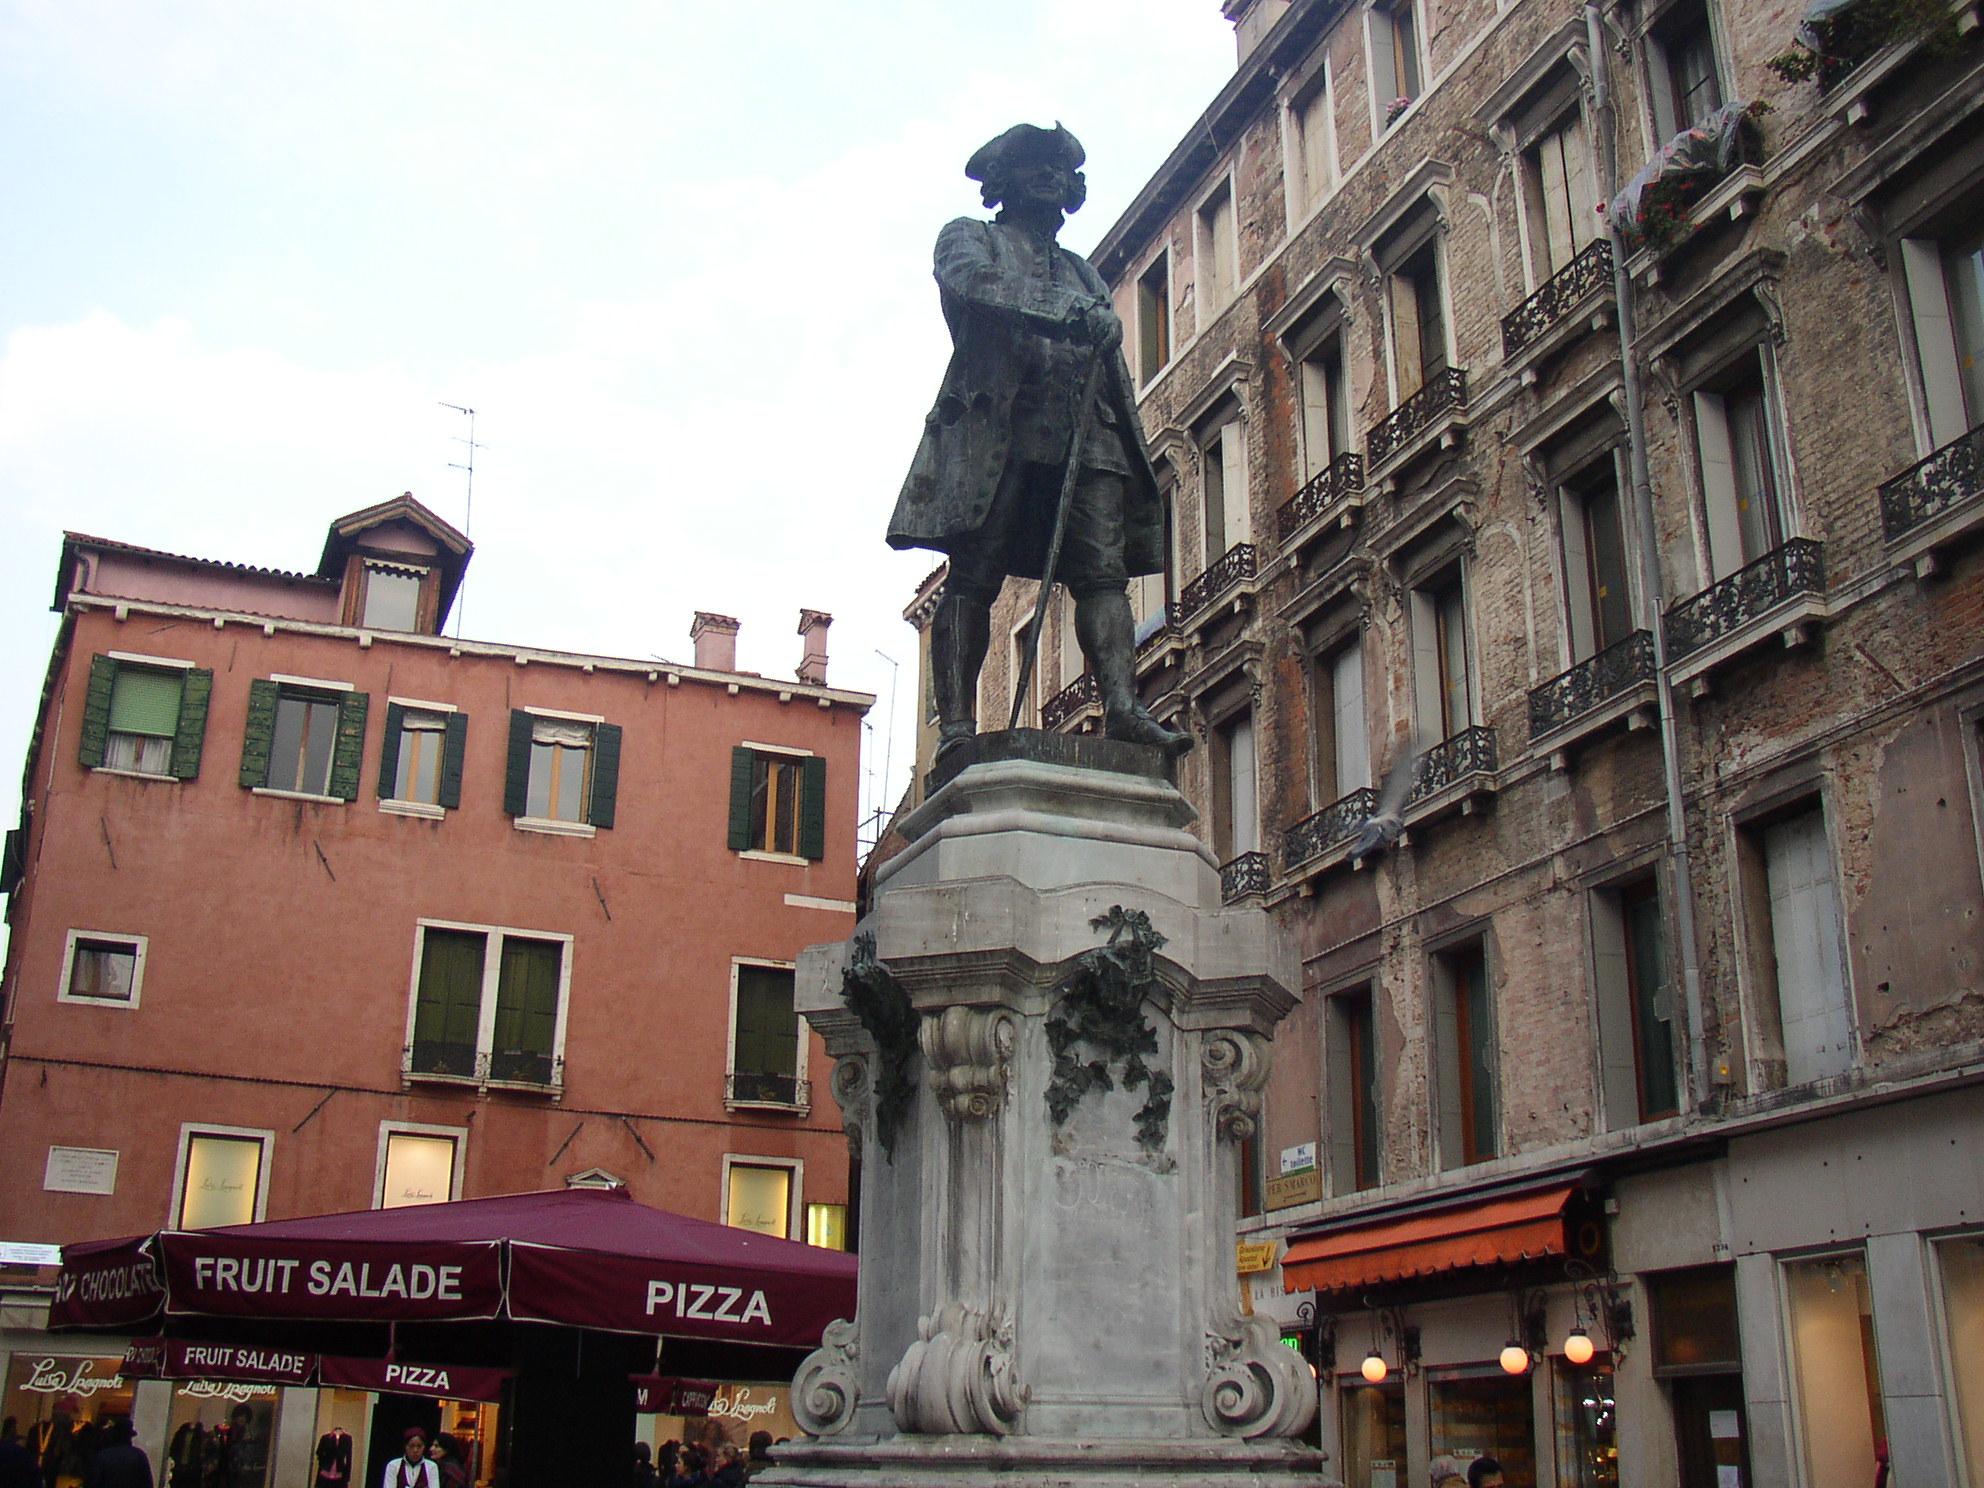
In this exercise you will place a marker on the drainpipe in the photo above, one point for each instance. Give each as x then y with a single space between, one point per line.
1649 564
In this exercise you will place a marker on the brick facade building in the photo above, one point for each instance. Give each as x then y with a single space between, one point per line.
1664 1016
315 908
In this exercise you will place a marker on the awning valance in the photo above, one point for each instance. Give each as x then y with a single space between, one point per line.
1501 1231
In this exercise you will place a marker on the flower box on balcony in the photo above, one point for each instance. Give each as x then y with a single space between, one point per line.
1779 598
1575 303
1434 417
1454 775
1705 172
1935 505
1229 578
1330 499
1614 688
1322 840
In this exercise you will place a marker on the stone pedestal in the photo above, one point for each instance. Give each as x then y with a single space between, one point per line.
1051 1039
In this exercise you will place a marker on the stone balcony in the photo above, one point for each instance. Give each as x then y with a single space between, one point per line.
1245 877
1322 839
1780 597
1329 499
748 1090
1435 417
1576 302
1935 505
1069 705
1613 687
1232 574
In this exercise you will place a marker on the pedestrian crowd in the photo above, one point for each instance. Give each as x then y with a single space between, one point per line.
59 1453
700 1465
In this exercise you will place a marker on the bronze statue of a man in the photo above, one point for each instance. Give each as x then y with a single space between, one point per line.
1029 322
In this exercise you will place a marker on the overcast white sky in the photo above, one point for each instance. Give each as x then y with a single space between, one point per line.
677 256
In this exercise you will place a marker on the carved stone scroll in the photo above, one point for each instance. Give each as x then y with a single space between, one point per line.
1236 1071
967 1052
1254 1386
823 1390
959 1376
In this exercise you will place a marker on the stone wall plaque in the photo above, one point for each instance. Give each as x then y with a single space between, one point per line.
83 1170
1291 1189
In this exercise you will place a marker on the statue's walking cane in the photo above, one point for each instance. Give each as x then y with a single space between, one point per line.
1090 384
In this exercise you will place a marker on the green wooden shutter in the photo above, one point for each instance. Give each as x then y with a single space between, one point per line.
389 752
258 733
605 774
452 754
813 809
767 1033
447 1014
96 712
516 775
189 739
348 753
741 760
13 859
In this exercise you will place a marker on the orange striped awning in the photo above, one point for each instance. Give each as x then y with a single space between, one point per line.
1494 1232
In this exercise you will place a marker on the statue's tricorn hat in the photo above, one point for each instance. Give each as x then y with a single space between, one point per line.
1025 142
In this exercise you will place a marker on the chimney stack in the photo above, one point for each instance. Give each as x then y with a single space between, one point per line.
813 658
716 641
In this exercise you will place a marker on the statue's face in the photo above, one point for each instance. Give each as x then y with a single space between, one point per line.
1039 183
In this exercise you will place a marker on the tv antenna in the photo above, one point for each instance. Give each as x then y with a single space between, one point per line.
468 513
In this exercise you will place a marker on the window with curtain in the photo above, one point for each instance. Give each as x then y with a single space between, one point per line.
144 719
560 769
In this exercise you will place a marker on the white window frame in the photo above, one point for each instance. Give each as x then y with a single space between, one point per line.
1317 85
1015 653
188 1130
418 572
1433 233
1528 174
485 1028
1205 308
1171 318
1656 68
399 805
390 1129
1579 603
802 1052
558 826
157 664
1716 519
290 684
795 1217
1210 442
759 854
1373 29
1423 632
139 943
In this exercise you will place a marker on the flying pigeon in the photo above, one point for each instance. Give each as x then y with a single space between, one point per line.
1383 827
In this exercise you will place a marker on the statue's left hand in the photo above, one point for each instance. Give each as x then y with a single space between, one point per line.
1102 327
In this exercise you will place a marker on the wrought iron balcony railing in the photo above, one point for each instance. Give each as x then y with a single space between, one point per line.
1246 874
1442 393
522 1067
1469 752
1230 568
455 1061
1585 274
1597 679
1798 567
1951 476
1070 700
1321 830
752 1088
1323 490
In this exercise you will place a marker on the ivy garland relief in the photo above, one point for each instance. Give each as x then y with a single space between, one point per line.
873 994
1100 1014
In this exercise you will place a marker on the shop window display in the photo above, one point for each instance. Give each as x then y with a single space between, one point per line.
60 1404
1960 1262
1482 1412
221 1435
1840 1412
1587 1425
1374 1436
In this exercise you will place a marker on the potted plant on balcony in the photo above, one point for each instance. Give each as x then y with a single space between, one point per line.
1836 36
1654 210
1395 110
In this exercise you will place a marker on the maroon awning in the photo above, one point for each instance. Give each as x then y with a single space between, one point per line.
442 1381
587 1258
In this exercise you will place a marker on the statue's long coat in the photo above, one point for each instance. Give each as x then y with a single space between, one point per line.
991 303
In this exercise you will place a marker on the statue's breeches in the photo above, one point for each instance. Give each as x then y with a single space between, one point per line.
1016 533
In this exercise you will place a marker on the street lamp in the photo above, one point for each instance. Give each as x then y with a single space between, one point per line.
1375 1368
1601 1299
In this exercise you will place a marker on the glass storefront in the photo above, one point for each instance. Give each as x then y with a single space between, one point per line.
60 1403
1587 1412
221 1434
1374 1435
1480 1411
1840 1417
1960 1262
738 1412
